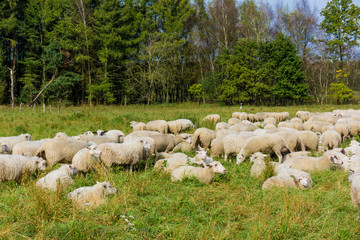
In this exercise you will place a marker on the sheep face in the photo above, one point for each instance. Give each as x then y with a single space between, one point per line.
336 161
354 143
89 133
69 168
186 137
94 152
217 167
40 163
4 148
239 158
26 137
100 132
353 172
132 123
146 145
108 189
257 155
201 154
60 135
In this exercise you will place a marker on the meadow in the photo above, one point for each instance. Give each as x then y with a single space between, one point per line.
232 207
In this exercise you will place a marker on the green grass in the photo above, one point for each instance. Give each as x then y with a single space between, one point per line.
232 207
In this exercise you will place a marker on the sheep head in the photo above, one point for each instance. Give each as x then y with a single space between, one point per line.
217 167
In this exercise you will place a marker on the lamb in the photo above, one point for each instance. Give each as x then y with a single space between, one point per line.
204 175
157 125
327 161
343 130
84 159
214 118
4 148
203 138
289 181
13 140
129 153
165 155
221 125
61 176
163 142
27 148
59 150
354 179
138 126
12 167
233 143
259 164
267 143
330 139
92 196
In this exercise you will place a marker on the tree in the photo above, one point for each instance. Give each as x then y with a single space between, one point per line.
340 91
341 23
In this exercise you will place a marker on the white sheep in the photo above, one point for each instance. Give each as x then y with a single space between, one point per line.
214 118
204 175
315 126
343 130
259 164
216 147
92 196
157 125
174 127
186 124
85 159
13 140
233 143
309 139
269 120
289 181
59 150
129 153
138 126
330 139
224 132
354 179
183 147
61 176
265 143
27 148
4 148
12 167
203 138
221 125
115 135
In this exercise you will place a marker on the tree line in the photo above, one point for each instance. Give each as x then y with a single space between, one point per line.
141 51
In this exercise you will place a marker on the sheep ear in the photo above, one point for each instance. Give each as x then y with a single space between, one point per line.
342 151
37 161
141 141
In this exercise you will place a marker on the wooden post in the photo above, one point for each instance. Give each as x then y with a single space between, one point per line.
34 107
43 107
50 108
21 106
59 110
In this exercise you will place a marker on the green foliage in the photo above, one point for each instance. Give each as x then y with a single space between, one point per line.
340 92
196 91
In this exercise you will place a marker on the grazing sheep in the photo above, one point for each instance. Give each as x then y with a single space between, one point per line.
354 127
157 125
289 181
233 143
251 117
185 124
183 147
129 153
174 127
343 130
327 161
330 139
203 138
4 148
354 179
297 154
233 121
13 140
92 196
114 135
224 132
324 129
303 115
309 139
266 143
285 116
163 142
259 164
61 176
216 147
204 175
165 155
269 126
59 150
27 148
221 125
290 137
315 126
214 118
153 149
62 135
138 126
240 127
269 120
84 159
12 167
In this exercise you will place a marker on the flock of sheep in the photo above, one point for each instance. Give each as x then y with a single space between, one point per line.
253 136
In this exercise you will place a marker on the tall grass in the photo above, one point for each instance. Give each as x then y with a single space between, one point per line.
232 207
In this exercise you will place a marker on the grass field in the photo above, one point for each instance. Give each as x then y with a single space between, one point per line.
232 207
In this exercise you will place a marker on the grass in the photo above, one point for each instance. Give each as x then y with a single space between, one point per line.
232 207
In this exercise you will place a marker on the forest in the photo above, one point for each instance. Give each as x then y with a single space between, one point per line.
94 52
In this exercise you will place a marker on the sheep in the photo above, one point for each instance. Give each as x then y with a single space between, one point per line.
240 127
343 130
62 135
315 126
13 140
27 148
260 116
203 138
239 115
84 159
324 129
285 116
224 132
59 150
185 124
157 125
221 125
61 176
183 147
259 164
174 127
214 118
269 126
204 175
290 137
233 121
297 154
354 148
165 155
309 139
114 135
251 117
354 179
216 147
269 120
289 181
129 153
234 142
96 139
250 125
267 143
163 142
330 139
303 115
327 161
153 149
4 148
12 167
92 196
138 126
354 127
